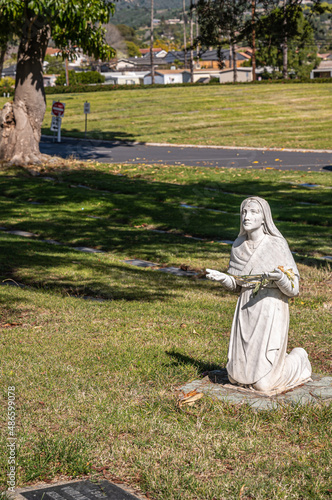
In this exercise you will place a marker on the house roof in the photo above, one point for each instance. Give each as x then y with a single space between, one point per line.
169 71
203 71
162 72
155 50
324 65
126 61
230 70
324 56
143 61
246 56
126 74
50 51
212 55
10 71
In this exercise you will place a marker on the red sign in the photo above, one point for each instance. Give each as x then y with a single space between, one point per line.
58 109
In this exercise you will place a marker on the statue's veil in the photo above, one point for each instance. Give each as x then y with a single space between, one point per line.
269 226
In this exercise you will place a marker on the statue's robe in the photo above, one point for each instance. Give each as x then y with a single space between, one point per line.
257 355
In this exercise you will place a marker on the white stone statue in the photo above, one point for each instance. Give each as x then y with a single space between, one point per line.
257 357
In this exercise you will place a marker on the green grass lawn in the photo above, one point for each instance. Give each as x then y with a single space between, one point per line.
276 115
96 381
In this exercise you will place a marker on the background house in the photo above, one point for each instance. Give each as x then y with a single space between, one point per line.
125 77
243 75
156 52
324 70
201 75
10 71
165 77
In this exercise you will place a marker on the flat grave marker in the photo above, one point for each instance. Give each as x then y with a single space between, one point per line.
80 490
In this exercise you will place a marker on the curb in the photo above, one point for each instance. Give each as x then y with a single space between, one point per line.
197 146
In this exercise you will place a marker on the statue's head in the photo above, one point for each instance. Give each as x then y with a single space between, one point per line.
252 217
260 214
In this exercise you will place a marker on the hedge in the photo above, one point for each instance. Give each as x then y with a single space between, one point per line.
73 89
80 88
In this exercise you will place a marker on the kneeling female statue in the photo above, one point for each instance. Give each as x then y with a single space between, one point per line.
262 270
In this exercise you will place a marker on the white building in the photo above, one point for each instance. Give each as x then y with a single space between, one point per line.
165 77
49 80
324 70
243 75
125 77
201 75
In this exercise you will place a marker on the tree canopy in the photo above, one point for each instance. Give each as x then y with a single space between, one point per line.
70 23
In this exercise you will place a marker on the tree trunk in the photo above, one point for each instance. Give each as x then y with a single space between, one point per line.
285 59
151 44
234 62
253 24
285 46
21 120
185 33
3 51
191 42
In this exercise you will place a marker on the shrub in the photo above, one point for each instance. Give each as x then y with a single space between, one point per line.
87 77
7 81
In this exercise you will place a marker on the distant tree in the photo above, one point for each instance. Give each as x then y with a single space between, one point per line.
70 24
55 64
222 22
282 26
132 49
84 77
128 33
303 50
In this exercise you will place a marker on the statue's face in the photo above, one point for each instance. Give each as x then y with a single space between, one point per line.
252 216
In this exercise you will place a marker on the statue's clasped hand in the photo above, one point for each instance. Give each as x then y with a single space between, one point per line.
275 275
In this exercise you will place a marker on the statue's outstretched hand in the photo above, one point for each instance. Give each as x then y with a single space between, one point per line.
226 281
211 274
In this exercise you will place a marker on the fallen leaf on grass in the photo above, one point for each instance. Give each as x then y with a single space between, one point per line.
190 398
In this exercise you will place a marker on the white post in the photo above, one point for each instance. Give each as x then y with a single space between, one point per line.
59 129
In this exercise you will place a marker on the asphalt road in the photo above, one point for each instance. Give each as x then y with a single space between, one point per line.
107 152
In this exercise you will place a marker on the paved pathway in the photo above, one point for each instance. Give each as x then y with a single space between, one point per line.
121 152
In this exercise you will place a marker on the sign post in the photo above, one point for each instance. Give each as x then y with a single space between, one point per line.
86 112
56 123
58 110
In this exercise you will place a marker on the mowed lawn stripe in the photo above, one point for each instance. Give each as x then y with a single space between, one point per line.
274 115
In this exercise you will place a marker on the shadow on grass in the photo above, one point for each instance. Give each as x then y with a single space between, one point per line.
115 211
72 273
82 149
181 359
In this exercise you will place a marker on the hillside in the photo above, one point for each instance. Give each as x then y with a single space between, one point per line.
136 13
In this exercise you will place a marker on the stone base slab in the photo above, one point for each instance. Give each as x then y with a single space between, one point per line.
216 385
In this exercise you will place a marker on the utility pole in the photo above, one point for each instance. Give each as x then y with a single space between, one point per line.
234 61
253 40
67 72
197 34
285 44
151 43
191 42
184 32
